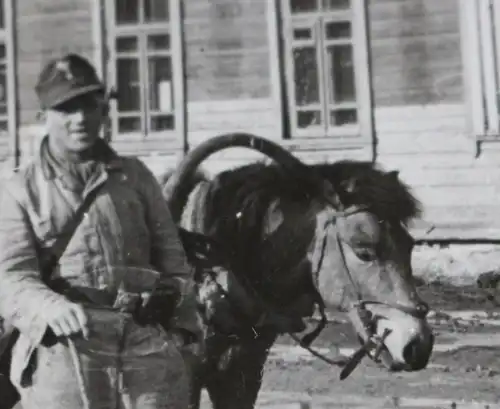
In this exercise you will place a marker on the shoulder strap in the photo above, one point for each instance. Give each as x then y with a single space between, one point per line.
51 257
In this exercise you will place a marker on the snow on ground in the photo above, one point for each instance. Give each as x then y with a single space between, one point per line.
456 264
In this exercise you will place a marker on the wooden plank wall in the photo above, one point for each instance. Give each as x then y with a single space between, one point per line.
227 50
44 30
415 47
228 67
228 64
421 117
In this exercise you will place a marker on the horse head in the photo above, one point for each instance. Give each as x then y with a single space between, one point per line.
366 264
300 235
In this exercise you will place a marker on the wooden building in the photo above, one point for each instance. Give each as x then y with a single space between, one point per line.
411 84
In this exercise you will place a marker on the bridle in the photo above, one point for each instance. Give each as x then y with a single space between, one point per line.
420 310
373 346
373 341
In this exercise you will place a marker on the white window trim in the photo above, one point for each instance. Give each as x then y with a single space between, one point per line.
274 36
8 35
351 134
481 58
490 83
98 36
109 72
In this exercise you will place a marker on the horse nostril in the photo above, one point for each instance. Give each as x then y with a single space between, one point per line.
421 310
411 353
417 354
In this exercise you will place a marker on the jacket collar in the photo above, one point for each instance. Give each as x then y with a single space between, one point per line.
108 157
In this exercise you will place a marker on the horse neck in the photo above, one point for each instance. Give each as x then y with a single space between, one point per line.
283 250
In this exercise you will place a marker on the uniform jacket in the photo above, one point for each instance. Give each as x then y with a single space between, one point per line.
129 224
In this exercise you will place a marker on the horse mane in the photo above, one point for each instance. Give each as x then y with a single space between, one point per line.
237 201
239 198
244 194
364 183
248 191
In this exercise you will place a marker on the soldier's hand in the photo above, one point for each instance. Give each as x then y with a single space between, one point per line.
66 319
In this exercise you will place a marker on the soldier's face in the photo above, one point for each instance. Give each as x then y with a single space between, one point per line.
76 123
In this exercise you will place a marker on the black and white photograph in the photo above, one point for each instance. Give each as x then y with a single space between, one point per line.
249 204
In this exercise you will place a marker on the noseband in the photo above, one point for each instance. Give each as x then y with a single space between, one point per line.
374 342
419 311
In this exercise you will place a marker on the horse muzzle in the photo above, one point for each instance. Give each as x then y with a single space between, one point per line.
398 341
408 345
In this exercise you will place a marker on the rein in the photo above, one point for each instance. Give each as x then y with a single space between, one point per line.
374 343
306 340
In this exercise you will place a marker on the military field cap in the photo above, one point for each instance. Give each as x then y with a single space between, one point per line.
65 78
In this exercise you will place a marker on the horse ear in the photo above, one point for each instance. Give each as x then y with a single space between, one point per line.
393 174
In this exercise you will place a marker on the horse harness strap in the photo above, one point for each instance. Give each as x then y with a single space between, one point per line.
374 341
419 311
306 340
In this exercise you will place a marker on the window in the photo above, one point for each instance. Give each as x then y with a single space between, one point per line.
146 66
326 67
480 39
7 74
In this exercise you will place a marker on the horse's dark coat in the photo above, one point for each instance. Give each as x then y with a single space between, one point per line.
362 183
235 207
239 198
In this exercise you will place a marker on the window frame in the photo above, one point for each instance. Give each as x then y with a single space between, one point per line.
176 51
353 133
480 45
7 37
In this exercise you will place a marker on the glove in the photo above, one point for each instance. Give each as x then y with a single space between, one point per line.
156 308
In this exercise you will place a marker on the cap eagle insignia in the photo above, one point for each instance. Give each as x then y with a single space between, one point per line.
64 68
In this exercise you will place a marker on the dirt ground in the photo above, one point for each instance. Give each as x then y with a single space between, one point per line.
465 375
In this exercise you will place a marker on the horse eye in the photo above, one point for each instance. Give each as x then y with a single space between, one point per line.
365 254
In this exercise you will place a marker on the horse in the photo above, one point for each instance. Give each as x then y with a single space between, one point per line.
286 239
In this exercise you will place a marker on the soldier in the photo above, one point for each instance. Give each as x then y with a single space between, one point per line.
128 224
